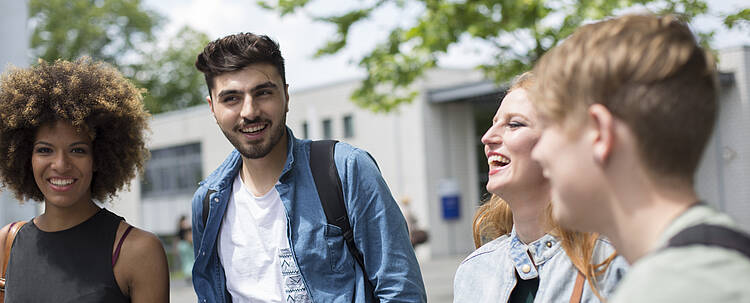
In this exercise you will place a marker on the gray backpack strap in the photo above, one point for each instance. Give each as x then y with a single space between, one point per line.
712 235
328 185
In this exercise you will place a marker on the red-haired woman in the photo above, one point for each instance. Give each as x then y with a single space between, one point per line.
531 259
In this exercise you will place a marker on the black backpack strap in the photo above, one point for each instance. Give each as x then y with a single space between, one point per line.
328 184
712 235
206 208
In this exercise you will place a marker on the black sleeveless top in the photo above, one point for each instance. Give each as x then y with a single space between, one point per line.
72 265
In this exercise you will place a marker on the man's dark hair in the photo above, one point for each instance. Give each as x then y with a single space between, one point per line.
235 52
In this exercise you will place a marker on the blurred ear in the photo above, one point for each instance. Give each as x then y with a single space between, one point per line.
210 103
286 95
603 130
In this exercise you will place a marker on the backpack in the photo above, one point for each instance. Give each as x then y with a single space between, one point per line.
712 235
328 185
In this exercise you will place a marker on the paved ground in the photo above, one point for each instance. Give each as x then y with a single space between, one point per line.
437 274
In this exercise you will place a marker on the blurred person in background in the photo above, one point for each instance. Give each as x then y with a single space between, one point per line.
523 255
185 247
72 133
416 235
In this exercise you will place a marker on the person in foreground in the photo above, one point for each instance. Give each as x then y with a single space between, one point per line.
629 104
263 236
531 259
72 133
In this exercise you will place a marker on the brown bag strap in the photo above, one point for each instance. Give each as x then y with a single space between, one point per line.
12 231
578 288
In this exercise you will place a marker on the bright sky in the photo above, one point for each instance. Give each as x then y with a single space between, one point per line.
300 36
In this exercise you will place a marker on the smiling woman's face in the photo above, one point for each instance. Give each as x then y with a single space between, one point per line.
63 163
508 143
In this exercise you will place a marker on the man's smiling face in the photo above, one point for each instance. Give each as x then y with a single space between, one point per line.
250 107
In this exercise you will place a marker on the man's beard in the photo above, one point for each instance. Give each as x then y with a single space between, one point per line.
262 148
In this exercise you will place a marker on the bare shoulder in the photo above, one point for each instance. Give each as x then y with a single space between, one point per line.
138 243
140 252
142 265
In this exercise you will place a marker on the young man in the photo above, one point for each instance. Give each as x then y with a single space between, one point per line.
628 106
266 237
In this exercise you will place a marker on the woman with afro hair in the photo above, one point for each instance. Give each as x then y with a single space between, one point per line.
72 133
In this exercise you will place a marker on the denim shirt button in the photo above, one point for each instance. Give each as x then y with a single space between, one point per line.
526 268
549 243
216 199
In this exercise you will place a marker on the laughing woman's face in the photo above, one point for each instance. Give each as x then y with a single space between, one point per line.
508 143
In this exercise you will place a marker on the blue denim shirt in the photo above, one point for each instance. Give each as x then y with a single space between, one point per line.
328 270
489 273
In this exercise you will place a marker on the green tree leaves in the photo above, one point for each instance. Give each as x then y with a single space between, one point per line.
521 31
122 33
107 30
170 76
740 19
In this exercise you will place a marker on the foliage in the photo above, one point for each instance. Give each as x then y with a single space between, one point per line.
102 29
170 75
520 31
741 19
122 33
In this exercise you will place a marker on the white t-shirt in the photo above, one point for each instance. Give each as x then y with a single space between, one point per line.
254 249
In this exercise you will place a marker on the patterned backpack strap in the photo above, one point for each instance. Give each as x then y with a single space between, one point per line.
12 231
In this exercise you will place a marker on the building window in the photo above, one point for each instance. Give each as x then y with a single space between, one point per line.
348 126
305 131
327 129
172 170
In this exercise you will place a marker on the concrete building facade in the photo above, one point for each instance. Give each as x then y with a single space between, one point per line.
723 178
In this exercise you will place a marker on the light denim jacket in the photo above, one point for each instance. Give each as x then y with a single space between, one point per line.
328 269
489 273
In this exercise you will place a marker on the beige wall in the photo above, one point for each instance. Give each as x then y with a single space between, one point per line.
195 124
724 173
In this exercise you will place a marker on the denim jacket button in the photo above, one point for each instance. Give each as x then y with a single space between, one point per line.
526 268
549 243
216 199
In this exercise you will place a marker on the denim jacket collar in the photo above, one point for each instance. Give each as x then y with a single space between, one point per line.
228 170
290 148
540 250
489 273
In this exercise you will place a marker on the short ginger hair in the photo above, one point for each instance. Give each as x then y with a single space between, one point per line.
650 73
95 98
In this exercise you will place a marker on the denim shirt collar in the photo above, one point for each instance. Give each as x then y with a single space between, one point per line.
290 140
225 174
540 250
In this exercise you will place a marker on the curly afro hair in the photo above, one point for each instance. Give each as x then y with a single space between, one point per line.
91 95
